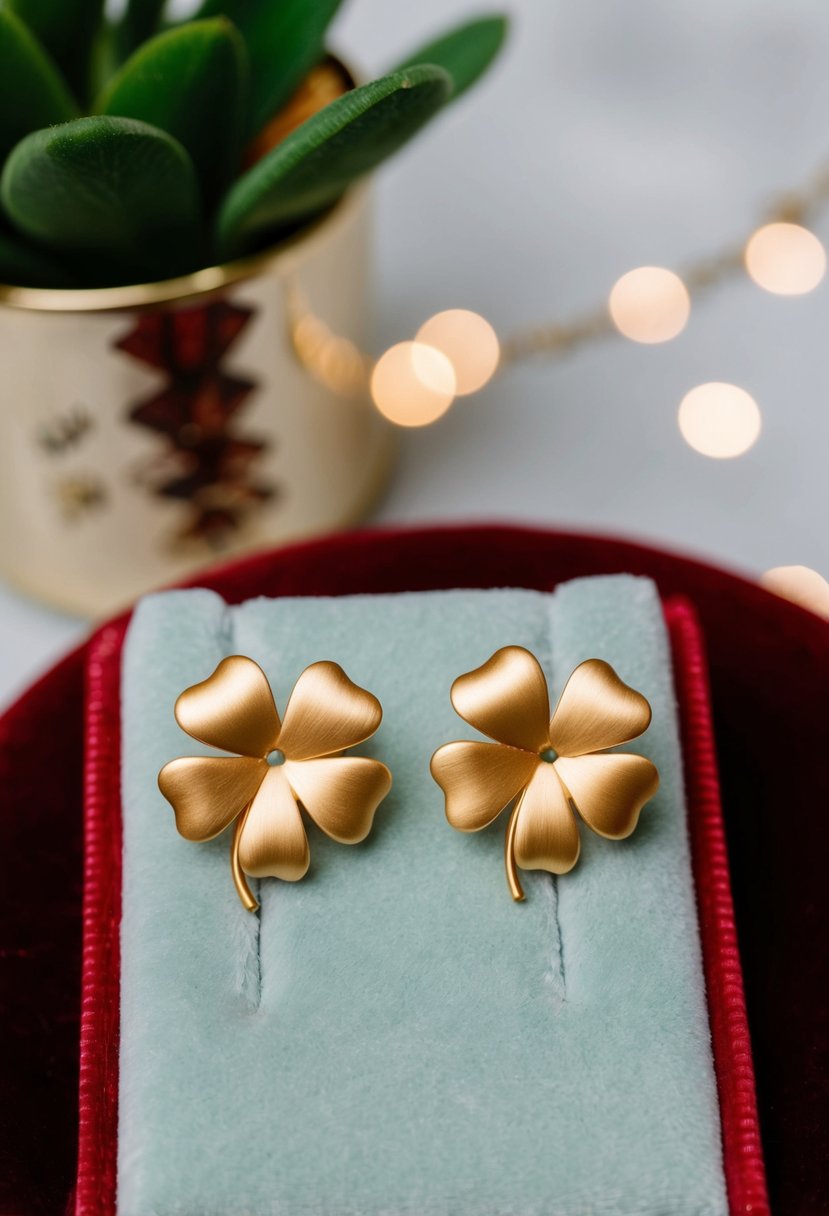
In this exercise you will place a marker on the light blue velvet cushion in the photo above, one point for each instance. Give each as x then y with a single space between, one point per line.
394 1035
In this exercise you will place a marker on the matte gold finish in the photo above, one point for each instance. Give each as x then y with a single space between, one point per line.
278 767
558 769
273 843
513 881
240 882
208 792
597 711
546 834
609 790
340 798
506 699
480 779
233 709
327 713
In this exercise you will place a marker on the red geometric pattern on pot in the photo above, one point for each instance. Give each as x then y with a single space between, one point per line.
204 461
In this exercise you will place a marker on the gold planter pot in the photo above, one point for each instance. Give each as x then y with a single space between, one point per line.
148 431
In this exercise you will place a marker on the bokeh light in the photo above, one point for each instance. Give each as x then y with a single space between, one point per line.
786 259
469 343
801 585
650 304
719 420
413 384
335 361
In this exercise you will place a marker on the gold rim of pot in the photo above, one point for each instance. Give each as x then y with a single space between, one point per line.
198 285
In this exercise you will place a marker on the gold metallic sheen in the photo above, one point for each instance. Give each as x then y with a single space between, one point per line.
608 791
234 710
241 883
342 798
506 699
480 779
273 843
560 770
208 792
327 713
597 711
546 834
513 881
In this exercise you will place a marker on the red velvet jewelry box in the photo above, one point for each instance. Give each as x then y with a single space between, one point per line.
42 821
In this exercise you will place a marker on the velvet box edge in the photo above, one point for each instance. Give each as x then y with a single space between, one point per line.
95 1191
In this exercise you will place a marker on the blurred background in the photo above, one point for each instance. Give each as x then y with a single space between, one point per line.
607 137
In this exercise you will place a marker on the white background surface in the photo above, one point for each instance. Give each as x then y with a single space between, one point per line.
609 135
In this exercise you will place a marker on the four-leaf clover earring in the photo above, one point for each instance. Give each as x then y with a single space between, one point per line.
275 767
559 770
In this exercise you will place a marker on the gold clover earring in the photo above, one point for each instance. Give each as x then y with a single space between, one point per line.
556 771
276 767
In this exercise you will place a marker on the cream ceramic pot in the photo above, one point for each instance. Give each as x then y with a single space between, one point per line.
146 432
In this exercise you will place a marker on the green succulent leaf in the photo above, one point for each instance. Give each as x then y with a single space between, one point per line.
120 192
138 24
67 29
464 52
285 39
104 59
32 93
314 165
192 82
22 266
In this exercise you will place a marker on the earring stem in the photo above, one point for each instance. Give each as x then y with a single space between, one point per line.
240 881
516 890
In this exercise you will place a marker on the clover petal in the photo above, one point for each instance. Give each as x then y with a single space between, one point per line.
273 841
479 779
208 792
609 790
327 713
506 698
546 833
597 710
233 709
340 793
561 768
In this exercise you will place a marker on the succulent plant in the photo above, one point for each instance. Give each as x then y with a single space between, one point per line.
149 148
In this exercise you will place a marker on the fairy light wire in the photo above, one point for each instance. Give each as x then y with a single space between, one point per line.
343 367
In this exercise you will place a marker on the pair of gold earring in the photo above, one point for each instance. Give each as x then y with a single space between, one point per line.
554 771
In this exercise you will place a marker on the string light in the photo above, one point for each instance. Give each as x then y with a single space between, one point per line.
719 420
457 352
469 343
801 585
786 259
650 304
334 361
413 384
